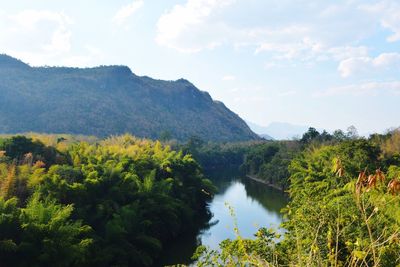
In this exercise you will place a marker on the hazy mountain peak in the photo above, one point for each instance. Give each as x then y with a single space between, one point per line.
279 130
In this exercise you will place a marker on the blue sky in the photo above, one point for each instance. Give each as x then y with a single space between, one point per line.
329 64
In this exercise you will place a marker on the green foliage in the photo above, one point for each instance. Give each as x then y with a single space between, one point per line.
333 217
329 222
217 156
113 203
269 161
49 236
41 234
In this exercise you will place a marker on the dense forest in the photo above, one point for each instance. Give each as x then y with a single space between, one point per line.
269 161
109 100
81 201
344 203
117 202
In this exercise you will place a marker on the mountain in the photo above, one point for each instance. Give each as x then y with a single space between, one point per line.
109 100
286 131
279 130
266 137
259 130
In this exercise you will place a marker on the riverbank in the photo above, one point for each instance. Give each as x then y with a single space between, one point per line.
255 178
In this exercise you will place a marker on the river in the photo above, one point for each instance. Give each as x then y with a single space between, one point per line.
255 205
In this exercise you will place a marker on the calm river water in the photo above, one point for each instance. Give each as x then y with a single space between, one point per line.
255 205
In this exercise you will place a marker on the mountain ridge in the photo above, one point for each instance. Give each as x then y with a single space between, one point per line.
108 100
279 130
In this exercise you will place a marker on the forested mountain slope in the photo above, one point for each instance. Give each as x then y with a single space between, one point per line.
110 100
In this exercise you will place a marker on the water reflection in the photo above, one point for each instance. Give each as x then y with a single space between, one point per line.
255 205
273 200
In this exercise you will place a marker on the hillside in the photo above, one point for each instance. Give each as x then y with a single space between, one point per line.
109 100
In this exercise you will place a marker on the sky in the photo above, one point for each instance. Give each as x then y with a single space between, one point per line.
327 64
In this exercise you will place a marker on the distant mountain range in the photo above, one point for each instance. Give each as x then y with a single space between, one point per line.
279 130
266 137
109 100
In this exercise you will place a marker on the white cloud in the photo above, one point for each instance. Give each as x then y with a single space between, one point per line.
85 59
126 11
60 41
229 78
183 27
188 31
367 88
43 37
387 60
345 52
319 32
348 66
30 22
387 11
305 49
355 65
288 42
29 18
308 50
